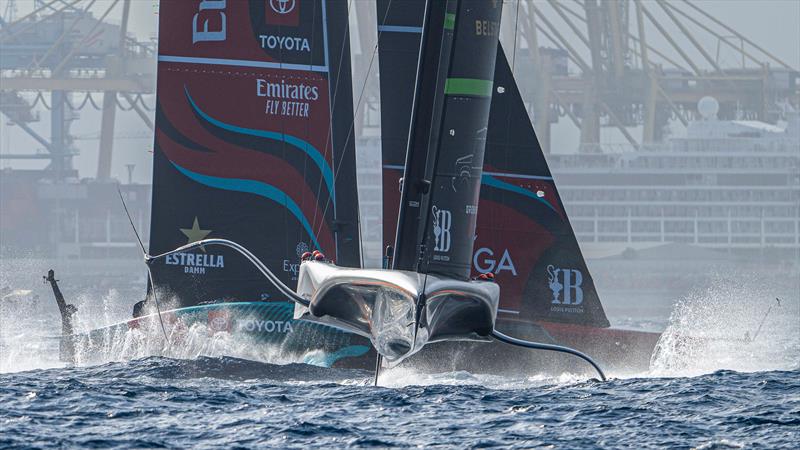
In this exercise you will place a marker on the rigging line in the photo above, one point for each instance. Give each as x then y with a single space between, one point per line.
763 319
146 256
358 106
314 201
513 80
516 30
158 307
330 123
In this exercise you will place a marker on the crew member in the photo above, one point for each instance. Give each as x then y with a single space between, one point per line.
67 344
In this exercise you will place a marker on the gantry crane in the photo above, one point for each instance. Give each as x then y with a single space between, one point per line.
61 48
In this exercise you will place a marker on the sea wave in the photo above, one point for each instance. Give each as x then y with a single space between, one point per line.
223 401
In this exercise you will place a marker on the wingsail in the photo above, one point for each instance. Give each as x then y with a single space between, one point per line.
251 143
523 233
427 296
447 139
399 34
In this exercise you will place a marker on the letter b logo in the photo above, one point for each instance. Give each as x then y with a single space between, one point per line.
442 219
565 283
573 294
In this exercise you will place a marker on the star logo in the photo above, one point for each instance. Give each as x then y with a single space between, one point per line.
195 233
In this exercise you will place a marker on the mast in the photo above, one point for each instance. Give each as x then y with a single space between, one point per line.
413 187
400 27
343 150
447 138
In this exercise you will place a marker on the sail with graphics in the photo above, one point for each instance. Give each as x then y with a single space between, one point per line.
254 168
523 235
259 150
251 143
427 295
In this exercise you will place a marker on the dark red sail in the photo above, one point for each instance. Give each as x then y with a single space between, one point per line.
524 236
254 108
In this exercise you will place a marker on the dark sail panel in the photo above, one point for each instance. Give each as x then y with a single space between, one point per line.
509 242
399 30
249 141
523 233
439 202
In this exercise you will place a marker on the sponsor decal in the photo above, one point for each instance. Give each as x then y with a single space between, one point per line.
282 12
265 326
489 28
282 7
288 43
485 260
442 220
192 263
287 99
218 321
293 267
301 248
462 169
565 285
209 23
195 264
195 233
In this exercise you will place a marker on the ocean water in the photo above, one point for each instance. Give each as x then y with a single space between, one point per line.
218 402
217 391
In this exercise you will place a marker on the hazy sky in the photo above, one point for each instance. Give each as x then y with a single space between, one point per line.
773 24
